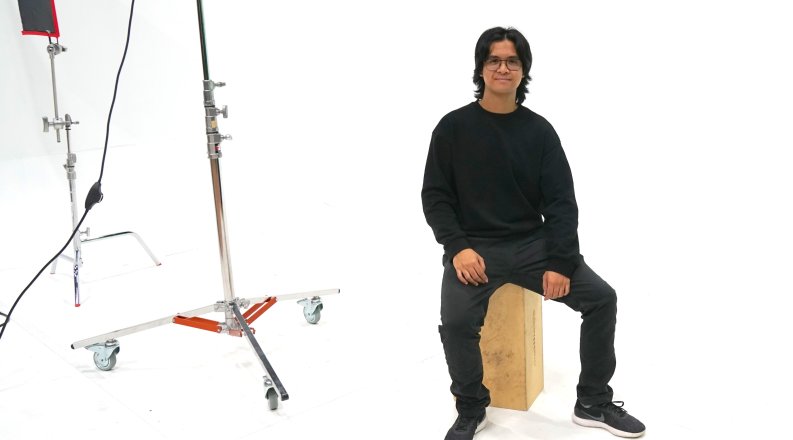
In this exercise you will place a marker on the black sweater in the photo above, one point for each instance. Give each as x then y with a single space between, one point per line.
497 176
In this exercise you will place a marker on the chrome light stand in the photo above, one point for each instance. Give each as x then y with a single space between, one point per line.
66 123
235 323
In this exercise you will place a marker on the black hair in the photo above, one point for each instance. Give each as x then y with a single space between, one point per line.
482 51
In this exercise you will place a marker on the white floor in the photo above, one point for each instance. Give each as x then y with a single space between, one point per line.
372 368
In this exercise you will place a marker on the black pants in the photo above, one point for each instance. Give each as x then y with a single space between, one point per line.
522 262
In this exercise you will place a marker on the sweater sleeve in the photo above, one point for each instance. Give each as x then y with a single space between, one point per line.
559 210
438 196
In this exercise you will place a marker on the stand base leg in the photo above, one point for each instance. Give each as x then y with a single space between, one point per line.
54 264
78 261
106 346
137 237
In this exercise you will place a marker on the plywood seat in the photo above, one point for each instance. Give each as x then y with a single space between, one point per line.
511 347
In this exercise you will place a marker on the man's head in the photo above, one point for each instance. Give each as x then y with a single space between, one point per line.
493 70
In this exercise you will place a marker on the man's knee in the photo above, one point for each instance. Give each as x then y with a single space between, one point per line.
606 301
609 295
602 299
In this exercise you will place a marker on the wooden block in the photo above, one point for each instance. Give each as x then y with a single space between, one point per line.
511 347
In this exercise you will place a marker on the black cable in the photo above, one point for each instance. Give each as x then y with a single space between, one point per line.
94 194
115 90
8 317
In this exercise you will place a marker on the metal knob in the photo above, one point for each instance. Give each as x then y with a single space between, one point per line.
55 48
226 137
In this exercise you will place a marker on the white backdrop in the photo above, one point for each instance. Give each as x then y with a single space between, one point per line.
674 116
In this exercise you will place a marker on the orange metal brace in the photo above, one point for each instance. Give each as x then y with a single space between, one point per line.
213 326
257 310
199 323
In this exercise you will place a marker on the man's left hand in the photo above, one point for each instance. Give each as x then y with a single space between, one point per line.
555 285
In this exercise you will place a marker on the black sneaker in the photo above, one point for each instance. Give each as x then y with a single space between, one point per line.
464 428
609 416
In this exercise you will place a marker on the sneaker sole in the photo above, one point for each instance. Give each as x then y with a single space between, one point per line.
596 424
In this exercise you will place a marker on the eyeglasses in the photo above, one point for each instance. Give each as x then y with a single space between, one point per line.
493 63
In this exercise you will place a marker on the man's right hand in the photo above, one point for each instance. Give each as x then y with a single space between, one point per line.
470 267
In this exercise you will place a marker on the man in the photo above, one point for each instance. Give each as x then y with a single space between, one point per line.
498 194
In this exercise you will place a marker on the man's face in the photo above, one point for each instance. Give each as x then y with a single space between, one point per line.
501 80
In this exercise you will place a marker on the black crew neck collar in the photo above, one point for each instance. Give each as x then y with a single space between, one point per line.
498 115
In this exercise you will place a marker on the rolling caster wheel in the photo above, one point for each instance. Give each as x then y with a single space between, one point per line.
272 399
313 317
105 364
312 309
